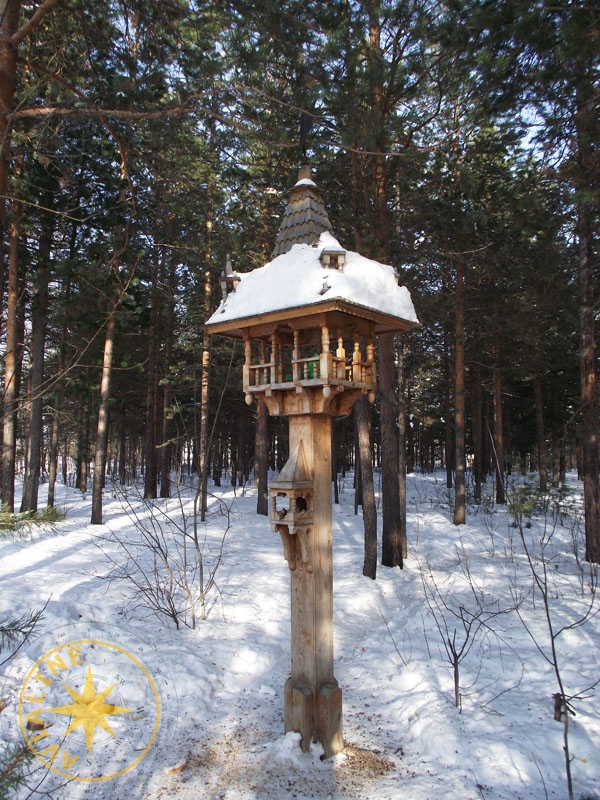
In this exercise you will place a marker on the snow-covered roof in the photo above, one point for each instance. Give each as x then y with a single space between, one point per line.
295 283
297 279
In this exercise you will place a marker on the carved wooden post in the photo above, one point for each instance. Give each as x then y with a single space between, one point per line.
313 699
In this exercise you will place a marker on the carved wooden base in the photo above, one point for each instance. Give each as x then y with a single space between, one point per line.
315 718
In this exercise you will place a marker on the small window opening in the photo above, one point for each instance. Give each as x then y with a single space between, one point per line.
301 505
282 505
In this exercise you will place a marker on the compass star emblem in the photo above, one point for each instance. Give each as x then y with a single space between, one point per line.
89 709
74 710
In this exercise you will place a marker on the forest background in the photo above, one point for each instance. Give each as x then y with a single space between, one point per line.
142 143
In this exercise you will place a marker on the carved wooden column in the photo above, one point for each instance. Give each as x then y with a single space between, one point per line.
313 699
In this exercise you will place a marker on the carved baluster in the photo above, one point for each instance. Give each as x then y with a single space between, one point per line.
356 359
262 372
273 369
325 360
341 354
279 359
247 377
370 369
295 357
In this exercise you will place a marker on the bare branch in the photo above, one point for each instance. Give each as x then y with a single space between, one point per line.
39 14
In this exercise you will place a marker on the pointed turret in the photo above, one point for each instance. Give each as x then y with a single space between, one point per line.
305 217
295 472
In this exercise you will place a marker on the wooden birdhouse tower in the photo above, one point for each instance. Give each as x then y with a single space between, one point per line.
309 319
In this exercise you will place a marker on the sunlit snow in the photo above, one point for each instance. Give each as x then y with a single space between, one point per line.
297 278
221 684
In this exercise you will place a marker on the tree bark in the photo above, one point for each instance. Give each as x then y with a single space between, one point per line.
477 423
498 433
150 443
449 422
57 398
11 37
53 457
361 411
203 464
589 399
29 501
167 449
83 438
103 416
390 490
587 174
12 364
542 448
204 439
391 546
262 458
402 449
459 396
9 16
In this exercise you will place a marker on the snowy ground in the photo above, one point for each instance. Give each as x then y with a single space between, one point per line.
219 686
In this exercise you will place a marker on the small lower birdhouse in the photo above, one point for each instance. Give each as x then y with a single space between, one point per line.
291 513
291 506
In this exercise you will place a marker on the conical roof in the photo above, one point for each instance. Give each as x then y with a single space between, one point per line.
305 217
295 471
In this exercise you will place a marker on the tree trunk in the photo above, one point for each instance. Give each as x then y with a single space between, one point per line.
103 414
402 448
476 414
204 439
498 433
29 501
56 427
589 400
358 500
122 446
391 547
262 458
9 21
390 492
459 396
449 422
82 449
10 39
335 465
587 200
167 412
12 364
217 461
150 443
166 452
361 410
410 434
31 481
53 457
540 434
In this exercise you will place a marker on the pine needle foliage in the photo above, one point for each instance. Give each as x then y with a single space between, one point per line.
12 522
15 757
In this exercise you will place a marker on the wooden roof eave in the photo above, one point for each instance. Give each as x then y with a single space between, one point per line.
261 324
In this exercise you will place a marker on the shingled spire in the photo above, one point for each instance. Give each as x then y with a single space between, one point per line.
305 217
